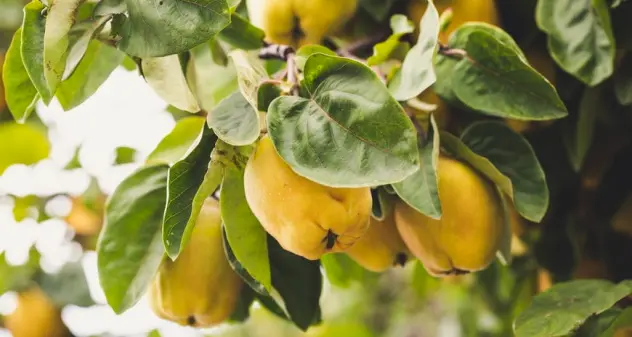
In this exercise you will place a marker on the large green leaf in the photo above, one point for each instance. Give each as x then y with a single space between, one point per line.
156 28
59 20
580 37
210 81
191 181
347 130
33 48
130 247
342 271
513 156
95 67
417 73
81 35
235 121
241 34
21 144
298 281
623 320
598 324
20 94
66 287
580 137
420 190
623 80
176 144
241 271
565 306
165 76
14 277
246 236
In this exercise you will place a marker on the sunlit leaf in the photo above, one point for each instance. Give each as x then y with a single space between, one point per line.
235 121
176 144
165 76
21 144
33 48
20 94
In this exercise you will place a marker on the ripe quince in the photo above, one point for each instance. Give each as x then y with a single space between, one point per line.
306 218
300 22
468 235
199 288
381 247
36 316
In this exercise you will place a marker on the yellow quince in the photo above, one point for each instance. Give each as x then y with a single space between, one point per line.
199 288
468 234
306 218
36 316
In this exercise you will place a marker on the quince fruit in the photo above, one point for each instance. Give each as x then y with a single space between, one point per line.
381 247
306 218
300 22
468 234
83 220
199 288
36 316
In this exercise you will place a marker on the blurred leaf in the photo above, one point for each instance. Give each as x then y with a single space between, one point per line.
623 80
241 271
235 121
23 205
18 277
59 19
420 190
342 271
417 73
176 144
266 94
590 58
20 94
596 325
74 162
298 281
33 48
383 50
246 236
66 287
378 9
79 45
21 144
514 158
124 155
95 67
164 75
623 320
130 247
159 28
565 306
153 333
303 53
241 34
348 131
250 74
422 282
191 181
591 105
210 82
107 7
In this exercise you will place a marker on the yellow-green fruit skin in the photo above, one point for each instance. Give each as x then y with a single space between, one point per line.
381 247
300 22
468 234
199 288
300 214
35 316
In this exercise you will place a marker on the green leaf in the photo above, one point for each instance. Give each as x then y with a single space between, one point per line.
85 31
108 7
266 94
378 9
348 131
589 58
235 121
494 80
94 68
20 94
59 20
66 287
623 320
164 75
565 306
246 236
250 74
32 48
623 80
241 34
253 284
303 53
124 155
596 325
130 247
210 82
21 144
383 50
157 28
298 281
176 144
191 181
514 158
416 73
342 271
18 277
420 190
581 136
504 251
